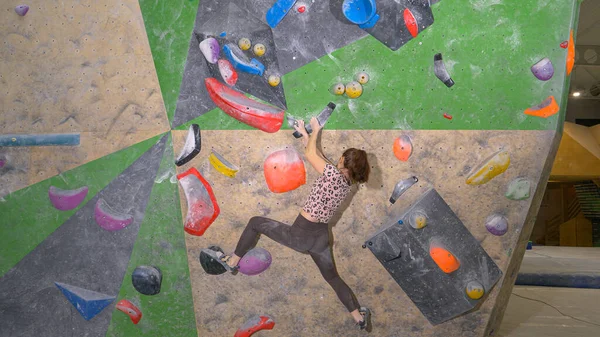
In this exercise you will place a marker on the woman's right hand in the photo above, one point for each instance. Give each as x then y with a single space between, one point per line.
299 126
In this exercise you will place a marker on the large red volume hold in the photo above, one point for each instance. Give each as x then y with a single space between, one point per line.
234 103
202 203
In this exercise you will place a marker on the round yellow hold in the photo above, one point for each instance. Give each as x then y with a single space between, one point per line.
244 43
338 89
274 80
362 77
418 220
474 290
259 49
354 89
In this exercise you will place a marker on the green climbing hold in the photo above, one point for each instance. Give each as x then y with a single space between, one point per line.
518 189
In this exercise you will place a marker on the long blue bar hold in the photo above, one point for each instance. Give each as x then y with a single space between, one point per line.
62 139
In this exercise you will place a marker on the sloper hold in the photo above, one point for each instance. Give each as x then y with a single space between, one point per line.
255 261
210 49
492 167
543 70
261 116
193 144
444 259
518 189
278 11
496 224
201 202
131 310
284 171
545 109
227 72
147 280
222 165
402 148
401 187
87 302
439 68
65 200
255 324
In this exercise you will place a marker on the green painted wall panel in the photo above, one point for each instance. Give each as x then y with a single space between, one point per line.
488 47
169 26
28 217
160 243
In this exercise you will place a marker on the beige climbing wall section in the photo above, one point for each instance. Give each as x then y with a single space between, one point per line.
75 66
292 291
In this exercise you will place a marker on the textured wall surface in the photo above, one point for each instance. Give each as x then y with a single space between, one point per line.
123 74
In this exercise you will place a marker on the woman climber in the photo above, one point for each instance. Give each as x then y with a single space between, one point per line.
310 231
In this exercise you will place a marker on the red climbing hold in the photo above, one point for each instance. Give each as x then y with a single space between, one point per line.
564 44
447 116
202 203
284 171
131 310
301 9
255 324
411 23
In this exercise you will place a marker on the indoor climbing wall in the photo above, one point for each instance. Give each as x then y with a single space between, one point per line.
135 135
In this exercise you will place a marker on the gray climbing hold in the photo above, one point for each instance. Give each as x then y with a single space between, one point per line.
147 280
518 189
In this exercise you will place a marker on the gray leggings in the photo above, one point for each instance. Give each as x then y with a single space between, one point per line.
306 237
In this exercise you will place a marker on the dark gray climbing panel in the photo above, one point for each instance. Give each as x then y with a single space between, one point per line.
404 253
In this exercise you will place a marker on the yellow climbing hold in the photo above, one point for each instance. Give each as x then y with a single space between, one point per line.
354 89
418 220
274 80
222 165
244 43
474 290
337 89
492 167
362 77
259 49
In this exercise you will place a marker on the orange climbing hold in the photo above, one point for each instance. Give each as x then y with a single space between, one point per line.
546 109
402 148
284 171
570 54
411 23
444 259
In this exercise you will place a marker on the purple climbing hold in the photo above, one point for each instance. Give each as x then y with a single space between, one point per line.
65 200
2 163
543 70
22 9
255 261
109 220
496 224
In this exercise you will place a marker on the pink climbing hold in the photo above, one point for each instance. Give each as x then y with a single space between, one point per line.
22 10
109 220
2 163
131 310
227 71
65 200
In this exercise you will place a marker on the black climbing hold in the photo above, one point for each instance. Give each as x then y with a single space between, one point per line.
147 280
209 264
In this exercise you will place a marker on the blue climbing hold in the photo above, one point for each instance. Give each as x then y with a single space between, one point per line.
361 12
529 245
88 303
240 62
278 11
223 34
